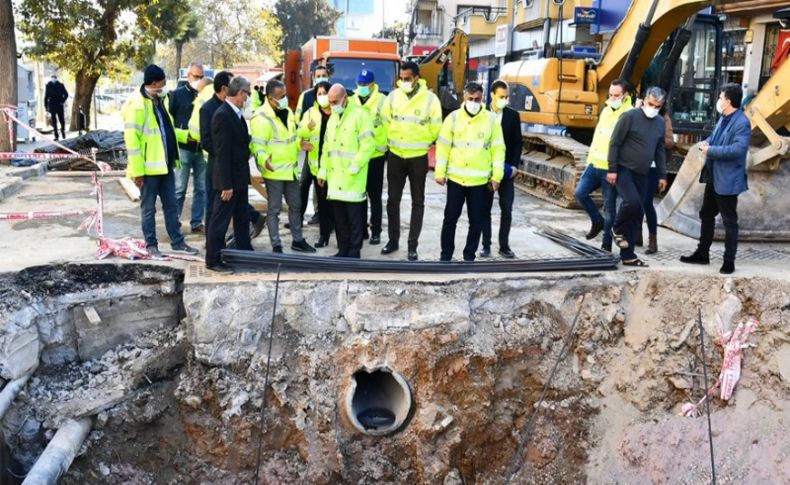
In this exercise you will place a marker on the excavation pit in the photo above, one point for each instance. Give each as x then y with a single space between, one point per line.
444 371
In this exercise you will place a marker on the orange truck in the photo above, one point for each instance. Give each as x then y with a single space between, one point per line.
345 58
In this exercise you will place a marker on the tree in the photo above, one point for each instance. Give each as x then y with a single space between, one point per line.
8 88
93 38
396 31
188 30
303 19
246 33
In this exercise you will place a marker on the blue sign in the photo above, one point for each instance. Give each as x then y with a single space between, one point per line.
610 13
585 16
584 49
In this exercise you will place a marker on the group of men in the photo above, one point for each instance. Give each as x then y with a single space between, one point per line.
631 144
349 139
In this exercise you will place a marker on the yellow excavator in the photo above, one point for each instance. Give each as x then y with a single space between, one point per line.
444 70
558 97
765 207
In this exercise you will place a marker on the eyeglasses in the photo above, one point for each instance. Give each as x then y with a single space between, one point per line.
196 76
249 93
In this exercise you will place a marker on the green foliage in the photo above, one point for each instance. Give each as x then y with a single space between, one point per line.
396 31
99 37
303 19
245 33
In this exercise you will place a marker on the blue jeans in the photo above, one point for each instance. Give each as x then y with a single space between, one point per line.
592 179
195 163
162 186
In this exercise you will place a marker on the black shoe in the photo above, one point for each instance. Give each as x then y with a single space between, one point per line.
313 220
154 252
337 255
412 255
375 239
184 248
277 249
485 252
302 247
695 258
390 247
257 227
365 235
322 242
595 229
607 247
220 268
728 267
507 253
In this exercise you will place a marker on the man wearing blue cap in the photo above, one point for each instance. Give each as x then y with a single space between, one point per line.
369 97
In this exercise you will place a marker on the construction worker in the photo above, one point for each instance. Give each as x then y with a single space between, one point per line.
257 97
312 131
369 97
306 101
511 132
594 175
152 150
470 160
413 118
348 145
181 102
206 104
276 150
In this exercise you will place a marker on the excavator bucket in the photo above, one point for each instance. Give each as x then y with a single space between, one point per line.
764 211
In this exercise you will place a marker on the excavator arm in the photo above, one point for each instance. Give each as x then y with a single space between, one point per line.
455 50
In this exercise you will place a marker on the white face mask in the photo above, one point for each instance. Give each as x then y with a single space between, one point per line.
282 103
338 108
615 103
406 86
323 100
720 106
247 103
195 84
473 107
501 103
156 93
322 79
650 112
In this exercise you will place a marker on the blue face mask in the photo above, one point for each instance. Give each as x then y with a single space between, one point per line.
363 91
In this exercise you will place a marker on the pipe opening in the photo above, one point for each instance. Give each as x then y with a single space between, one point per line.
379 401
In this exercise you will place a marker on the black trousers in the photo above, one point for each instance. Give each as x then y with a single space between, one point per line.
236 208
326 213
57 115
306 180
631 188
506 193
254 215
375 187
727 206
398 170
349 224
475 199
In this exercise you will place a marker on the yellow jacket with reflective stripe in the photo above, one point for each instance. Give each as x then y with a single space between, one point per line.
312 136
270 137
194 120
348 146
470 150
374 106
144 146
257 100
412 123
599 148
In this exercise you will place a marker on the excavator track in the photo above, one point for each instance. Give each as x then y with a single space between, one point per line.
551 167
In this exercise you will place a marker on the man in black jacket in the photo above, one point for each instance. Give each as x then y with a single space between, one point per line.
55 95
231 174
182 101
511 131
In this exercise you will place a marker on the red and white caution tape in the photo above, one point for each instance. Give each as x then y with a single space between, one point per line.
733 342
40 215
35 156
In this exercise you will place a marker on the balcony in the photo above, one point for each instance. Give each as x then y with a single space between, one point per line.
481 22
532 17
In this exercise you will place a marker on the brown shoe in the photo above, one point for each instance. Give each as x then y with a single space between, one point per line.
652 245
201 229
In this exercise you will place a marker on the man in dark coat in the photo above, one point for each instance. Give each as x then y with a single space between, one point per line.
724 176
231 174
55 95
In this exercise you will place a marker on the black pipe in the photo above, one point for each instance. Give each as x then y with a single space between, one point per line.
681 41
642 34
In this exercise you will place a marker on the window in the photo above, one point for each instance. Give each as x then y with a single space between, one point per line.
771 41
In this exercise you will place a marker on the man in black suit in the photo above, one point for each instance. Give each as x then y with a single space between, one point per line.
231 174
55 95
511 131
